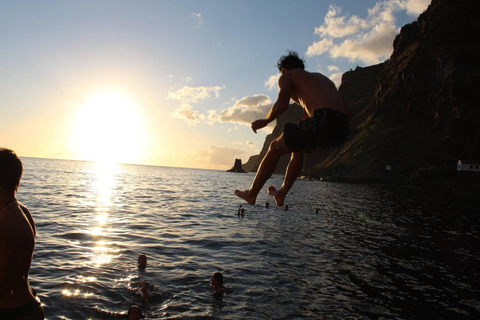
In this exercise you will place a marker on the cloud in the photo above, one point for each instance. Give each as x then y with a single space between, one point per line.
212 117
272 82
246 110
416 7
339 27
250 144
218 155
187 113
368 40
332 68
371 48
319 47
194 94
336 78
188 96
198 18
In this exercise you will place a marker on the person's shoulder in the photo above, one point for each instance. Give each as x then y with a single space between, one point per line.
299 74
17 224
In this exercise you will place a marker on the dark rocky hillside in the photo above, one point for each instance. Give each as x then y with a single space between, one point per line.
417 113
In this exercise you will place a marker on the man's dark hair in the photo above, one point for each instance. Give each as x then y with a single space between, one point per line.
290 61
10 170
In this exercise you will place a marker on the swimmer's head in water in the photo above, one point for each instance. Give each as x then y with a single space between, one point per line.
134 313
142 261
217 280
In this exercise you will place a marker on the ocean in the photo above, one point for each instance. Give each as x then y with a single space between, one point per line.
340 251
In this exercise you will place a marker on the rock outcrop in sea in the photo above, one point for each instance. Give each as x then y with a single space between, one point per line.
237 167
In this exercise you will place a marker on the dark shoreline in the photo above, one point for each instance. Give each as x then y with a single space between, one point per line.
471 183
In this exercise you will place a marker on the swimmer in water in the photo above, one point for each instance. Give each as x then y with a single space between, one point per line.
135 313
241 211
216 282
142 261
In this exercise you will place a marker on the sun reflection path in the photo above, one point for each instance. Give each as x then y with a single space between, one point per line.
104 251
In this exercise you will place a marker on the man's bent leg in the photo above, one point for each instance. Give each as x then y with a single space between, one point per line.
275 151
293 170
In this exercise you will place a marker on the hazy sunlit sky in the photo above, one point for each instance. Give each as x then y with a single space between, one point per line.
170 82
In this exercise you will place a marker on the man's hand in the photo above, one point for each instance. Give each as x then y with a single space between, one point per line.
259 124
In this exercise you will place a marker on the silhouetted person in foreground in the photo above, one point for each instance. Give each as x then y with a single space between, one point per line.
326 126
17 240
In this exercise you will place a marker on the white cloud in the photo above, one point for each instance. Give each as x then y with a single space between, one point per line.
198 18
272 82
194 94
247 110
212 117
237 142
336 78
339 27
368 40
371 48
319 47
187 96
332 68
250 144
416 7
186 113
218 155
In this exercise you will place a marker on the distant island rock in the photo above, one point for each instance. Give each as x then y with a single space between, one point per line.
237 167
415 115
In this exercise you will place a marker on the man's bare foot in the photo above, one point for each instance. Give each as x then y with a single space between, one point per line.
277 195
245 195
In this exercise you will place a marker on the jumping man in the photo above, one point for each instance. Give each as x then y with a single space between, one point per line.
326 126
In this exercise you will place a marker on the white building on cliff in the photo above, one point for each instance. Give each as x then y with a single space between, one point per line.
471 166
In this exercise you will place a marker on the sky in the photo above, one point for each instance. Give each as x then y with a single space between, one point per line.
170 82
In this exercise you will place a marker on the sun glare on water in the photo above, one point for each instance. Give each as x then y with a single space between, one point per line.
109 128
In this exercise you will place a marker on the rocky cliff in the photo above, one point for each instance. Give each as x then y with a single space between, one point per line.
418 113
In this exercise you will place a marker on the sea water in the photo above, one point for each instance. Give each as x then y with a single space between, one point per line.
340 251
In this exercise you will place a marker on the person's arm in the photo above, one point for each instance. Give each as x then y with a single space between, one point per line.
279 107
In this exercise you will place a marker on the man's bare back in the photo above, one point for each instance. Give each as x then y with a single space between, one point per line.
313 91
16 250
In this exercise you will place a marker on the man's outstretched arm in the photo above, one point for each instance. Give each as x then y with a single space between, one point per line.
279 107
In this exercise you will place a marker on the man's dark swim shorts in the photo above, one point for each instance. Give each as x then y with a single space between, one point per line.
327 128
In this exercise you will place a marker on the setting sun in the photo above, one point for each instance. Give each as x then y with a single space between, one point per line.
109 128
